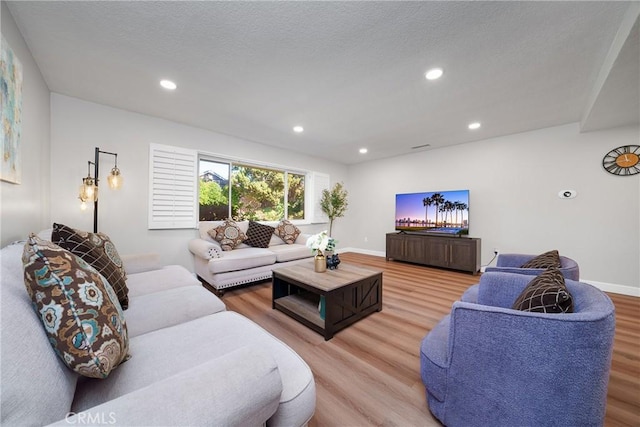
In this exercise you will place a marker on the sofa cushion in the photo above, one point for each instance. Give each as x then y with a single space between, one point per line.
173 350
171 307
241 259
549 259
97 250
291 252
259 235
78 308
287 231
37 388
168 277
546 293
228 234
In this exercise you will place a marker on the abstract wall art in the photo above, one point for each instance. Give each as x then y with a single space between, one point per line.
11 93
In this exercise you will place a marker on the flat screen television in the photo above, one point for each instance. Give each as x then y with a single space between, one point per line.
445 212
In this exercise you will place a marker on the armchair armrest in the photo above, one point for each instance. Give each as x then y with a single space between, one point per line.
527 271
513 260
204 249
240 388
138 263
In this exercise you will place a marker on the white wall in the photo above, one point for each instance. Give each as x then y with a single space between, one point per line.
513 183
25 206
79 126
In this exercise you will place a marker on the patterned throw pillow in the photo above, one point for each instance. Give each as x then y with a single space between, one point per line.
287 231
78 308
98 250
228 234
259 235
546 293
549 259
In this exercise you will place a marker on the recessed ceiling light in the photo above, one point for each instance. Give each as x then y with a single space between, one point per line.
168 84
434 73
298 129
363 151
474 125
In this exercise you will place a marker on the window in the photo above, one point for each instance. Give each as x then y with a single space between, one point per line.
185 187
295 195
248 192
213 190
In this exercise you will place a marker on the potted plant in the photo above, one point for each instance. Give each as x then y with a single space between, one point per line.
334 203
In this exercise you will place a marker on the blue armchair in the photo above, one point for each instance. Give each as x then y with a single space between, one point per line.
510 263
487 364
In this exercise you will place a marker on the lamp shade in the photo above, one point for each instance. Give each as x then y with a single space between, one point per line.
114 179
88 190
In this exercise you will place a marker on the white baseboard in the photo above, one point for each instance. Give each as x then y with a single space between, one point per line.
364 251
603 286
614 288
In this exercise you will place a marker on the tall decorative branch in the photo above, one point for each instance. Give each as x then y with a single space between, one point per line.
334 203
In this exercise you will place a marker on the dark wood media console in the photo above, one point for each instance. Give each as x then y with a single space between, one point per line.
453 252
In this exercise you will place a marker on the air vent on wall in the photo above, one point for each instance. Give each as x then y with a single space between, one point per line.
421 146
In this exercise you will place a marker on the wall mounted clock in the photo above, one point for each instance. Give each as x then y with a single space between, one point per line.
623 161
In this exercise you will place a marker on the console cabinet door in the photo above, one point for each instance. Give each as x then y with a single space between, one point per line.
439 252
462 255
395 247
416 249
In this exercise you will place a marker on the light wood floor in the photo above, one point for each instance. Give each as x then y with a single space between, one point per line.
369 373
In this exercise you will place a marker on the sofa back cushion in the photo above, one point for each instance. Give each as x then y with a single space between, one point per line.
37 388
78 308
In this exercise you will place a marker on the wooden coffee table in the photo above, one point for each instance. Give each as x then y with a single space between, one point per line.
330 301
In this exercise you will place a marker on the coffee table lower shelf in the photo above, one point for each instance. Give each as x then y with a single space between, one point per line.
304 308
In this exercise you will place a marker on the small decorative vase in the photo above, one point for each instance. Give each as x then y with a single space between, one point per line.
320 263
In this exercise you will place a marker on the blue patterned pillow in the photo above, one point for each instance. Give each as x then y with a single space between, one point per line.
78 309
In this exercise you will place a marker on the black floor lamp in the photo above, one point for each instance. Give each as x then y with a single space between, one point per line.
89 187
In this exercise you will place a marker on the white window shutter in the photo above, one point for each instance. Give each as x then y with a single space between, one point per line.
320 181
173 187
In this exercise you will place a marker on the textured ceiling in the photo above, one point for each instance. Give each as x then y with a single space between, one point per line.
351 73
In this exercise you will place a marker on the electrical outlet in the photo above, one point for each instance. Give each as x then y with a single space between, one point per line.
496 251
366 239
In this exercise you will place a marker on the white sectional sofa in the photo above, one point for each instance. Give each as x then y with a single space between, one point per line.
244 264
192 362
